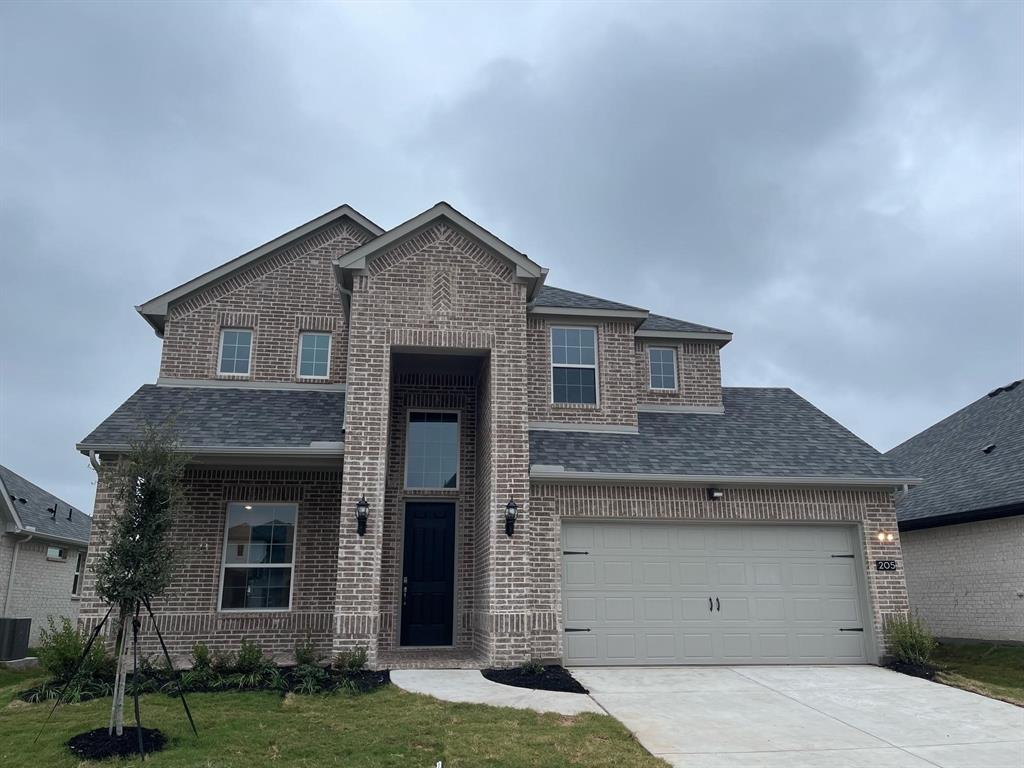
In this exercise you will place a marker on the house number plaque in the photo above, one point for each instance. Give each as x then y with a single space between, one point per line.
885 565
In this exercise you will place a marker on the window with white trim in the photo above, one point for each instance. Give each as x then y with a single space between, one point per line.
663 367
432 450
314 355
235 352
259 556
574 365
56 553
76 583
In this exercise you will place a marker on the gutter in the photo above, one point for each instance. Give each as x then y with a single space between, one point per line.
557 474
326 448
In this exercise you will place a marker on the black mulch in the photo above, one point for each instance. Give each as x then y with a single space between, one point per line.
366 680
553 678
99 745
916 670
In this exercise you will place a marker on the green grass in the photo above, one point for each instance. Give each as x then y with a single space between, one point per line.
996 671
388 727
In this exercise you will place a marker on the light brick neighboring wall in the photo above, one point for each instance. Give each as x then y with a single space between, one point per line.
698 374
964 580
188 610
873 511
277 297
616 374
41 587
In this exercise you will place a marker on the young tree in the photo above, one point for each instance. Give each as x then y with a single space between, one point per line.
138 563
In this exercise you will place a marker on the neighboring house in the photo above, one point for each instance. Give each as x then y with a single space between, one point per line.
963 526
428 378
43 543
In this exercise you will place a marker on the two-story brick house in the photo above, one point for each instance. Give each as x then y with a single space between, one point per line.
427 378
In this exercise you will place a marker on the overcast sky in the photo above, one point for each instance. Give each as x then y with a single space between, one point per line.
842 186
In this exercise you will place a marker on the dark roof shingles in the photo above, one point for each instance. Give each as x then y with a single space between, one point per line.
34 512
549 296
958 476
662 323
763 433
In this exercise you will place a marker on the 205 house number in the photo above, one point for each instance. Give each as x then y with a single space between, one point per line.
885 565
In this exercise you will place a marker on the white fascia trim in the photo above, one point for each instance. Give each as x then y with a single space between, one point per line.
554 473
625 314
605 429
357 258
656 408
157 306
313 449
165 381
10 505
695 335
42 535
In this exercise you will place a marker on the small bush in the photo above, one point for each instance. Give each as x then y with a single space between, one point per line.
305 653
351 661
60 648
909 641
251 659
310 679
201 657
222 662
532 667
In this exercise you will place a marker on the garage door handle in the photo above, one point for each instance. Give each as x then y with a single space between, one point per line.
572 629
855 629
718 605
711 605
573 552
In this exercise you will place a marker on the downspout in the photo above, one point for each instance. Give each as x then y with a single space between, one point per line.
94 461
10 575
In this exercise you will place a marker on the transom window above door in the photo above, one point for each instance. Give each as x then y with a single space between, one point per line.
235 351
432 450
314 355
574 365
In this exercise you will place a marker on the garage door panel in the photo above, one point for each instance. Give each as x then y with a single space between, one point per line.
777 594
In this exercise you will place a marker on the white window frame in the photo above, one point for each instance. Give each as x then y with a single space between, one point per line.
675 369
298 360
79 576
224 555
220 354
595 366
60 557
458 451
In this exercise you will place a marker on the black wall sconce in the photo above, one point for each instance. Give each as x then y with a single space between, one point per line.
715 494
511 513
362 512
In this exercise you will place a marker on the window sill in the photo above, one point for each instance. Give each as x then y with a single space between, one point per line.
578 406
245 611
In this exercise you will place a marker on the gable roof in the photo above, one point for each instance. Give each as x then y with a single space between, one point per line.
961 481
223 420
155 310
763 436
31 507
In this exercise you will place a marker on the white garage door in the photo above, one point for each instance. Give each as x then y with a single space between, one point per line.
674 593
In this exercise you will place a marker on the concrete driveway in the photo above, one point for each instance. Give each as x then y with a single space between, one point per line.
806 717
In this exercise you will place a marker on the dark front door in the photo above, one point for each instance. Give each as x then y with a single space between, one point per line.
428 573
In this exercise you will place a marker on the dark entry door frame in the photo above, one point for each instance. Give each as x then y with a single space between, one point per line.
427 589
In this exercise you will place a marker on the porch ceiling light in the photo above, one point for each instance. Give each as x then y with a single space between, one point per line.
715 494
362 513
511 513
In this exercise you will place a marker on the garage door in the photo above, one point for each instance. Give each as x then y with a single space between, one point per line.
654 593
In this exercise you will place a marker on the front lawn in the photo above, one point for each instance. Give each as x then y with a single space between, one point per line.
996 671
387 727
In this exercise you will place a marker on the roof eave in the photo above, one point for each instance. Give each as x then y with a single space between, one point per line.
959 518
332 449
622 314
549 473
720 338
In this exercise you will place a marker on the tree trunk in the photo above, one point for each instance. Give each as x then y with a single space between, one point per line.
117 706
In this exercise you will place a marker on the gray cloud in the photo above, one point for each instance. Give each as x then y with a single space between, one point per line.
841 185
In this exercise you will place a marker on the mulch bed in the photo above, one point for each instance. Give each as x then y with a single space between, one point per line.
553 678
915 670
366 680
99 745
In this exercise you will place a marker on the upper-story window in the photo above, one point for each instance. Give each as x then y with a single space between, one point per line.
235 352
259 548
663 367
76 583
432 450
314 355
56 553
574 365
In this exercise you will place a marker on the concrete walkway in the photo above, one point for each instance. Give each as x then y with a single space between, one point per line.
807 717
470 687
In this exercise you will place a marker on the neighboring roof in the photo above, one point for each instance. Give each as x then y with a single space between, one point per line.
763 435
224 420
155 310
960 480
34 515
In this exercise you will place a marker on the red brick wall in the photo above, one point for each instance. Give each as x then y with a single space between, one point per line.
698 374
277 297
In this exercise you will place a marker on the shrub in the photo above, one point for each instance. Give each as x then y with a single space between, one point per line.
350 661
909 640
222 662
60 648
201 657
305 653
309 679
532 667
251 659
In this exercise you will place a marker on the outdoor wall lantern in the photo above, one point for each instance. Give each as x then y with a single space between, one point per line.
511 513
715 494
883 536
362 512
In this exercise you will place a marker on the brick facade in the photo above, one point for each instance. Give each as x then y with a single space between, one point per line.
698 374
967 581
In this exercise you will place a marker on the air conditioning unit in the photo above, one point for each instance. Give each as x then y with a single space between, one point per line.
14 638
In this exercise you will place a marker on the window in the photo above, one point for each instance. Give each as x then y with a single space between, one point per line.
314 355
56 553
259 548
76 584
663 367
432 450
235 349
574 365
